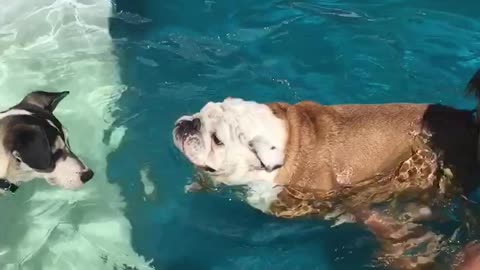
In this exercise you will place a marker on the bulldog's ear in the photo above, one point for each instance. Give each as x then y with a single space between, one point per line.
45 100
270 156
31 146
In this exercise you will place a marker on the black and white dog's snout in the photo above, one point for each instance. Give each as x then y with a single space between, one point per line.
86 176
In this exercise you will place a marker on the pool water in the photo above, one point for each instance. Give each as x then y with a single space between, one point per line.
134 67
176 55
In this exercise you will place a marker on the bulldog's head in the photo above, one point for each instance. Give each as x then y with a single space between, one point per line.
234 141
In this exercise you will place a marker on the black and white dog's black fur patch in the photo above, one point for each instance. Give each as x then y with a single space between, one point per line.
34 144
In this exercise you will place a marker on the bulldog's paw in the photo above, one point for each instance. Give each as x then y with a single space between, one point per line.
194 187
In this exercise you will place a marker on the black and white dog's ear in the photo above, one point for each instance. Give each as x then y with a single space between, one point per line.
270 156
31 146
45 100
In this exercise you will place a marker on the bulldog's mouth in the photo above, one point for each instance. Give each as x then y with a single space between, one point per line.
182 138
182 147
179 140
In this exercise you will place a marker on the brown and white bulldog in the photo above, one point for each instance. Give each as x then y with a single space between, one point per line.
339 161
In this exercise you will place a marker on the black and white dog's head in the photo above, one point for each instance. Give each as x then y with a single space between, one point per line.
34 144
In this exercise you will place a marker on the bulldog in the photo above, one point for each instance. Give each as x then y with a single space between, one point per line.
340 161
34 144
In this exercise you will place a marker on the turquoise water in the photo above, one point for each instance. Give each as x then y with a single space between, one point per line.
175 55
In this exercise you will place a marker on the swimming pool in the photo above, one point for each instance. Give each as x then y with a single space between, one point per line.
132 75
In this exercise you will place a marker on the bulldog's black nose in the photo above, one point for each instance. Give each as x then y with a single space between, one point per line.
86 176
189 126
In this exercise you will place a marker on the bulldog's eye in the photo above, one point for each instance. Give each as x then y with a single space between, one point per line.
209 169
216 140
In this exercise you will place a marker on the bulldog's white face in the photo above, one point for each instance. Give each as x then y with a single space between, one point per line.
235 141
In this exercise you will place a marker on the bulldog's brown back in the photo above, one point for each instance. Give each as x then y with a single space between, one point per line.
334 146
344 158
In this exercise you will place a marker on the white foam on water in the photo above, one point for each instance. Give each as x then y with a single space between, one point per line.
65 45
146 179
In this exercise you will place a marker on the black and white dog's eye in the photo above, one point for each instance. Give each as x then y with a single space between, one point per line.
216 140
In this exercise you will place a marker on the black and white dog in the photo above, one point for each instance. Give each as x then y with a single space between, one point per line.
34 144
